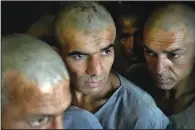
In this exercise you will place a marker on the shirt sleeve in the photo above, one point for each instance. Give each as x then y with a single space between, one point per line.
151 122
150 116
76 118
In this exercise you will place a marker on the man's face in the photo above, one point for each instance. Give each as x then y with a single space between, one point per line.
30 107
89 57
129 36
169 56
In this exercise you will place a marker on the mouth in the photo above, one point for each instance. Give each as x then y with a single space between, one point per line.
162 81
94 83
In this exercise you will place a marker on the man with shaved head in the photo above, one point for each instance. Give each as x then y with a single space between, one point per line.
169 46
129 42
35 88
86 33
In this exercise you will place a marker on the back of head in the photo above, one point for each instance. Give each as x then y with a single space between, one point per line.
177 18
82 16
33 59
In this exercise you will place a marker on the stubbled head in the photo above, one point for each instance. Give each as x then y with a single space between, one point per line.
170 44
86 33
35 84
85 17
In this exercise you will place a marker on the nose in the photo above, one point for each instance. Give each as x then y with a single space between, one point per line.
129 43
94 67
161 64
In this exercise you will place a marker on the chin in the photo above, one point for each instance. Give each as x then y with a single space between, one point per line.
90 90
165 87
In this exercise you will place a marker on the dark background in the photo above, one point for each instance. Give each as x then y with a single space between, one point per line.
17 16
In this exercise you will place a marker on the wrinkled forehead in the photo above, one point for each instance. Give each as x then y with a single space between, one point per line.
27 96
19 83
163 39
170 25
73 37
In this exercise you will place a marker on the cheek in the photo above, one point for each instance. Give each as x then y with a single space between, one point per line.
76 68
107 62
128 44
182 70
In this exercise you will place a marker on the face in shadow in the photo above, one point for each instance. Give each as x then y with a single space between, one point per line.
130 36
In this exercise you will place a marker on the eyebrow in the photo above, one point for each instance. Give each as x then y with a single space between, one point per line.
77 53
173 50
145 47
84 53
107 47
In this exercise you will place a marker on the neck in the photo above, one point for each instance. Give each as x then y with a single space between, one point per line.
92 102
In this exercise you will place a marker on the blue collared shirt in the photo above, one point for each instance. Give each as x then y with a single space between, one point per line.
77 118
131 108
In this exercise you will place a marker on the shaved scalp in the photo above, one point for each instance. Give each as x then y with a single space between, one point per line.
83 16
177 18
33 59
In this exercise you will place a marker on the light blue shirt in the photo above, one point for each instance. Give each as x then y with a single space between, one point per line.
77 118
131 108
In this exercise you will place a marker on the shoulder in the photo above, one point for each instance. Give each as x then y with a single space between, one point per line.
185 119
143 107
77 118
129 90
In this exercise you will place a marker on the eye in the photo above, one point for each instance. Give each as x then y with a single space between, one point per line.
39 121
149 53
79 57
125 36
105 52
173 55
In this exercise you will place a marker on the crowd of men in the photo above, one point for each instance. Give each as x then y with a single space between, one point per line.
133 73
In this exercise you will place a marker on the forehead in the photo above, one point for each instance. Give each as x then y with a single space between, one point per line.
127 21
75 39
25 98
159 39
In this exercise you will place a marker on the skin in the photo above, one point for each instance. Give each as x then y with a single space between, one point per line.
88 52
94 54
129 44
30 107
128 29
35 98
170 55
